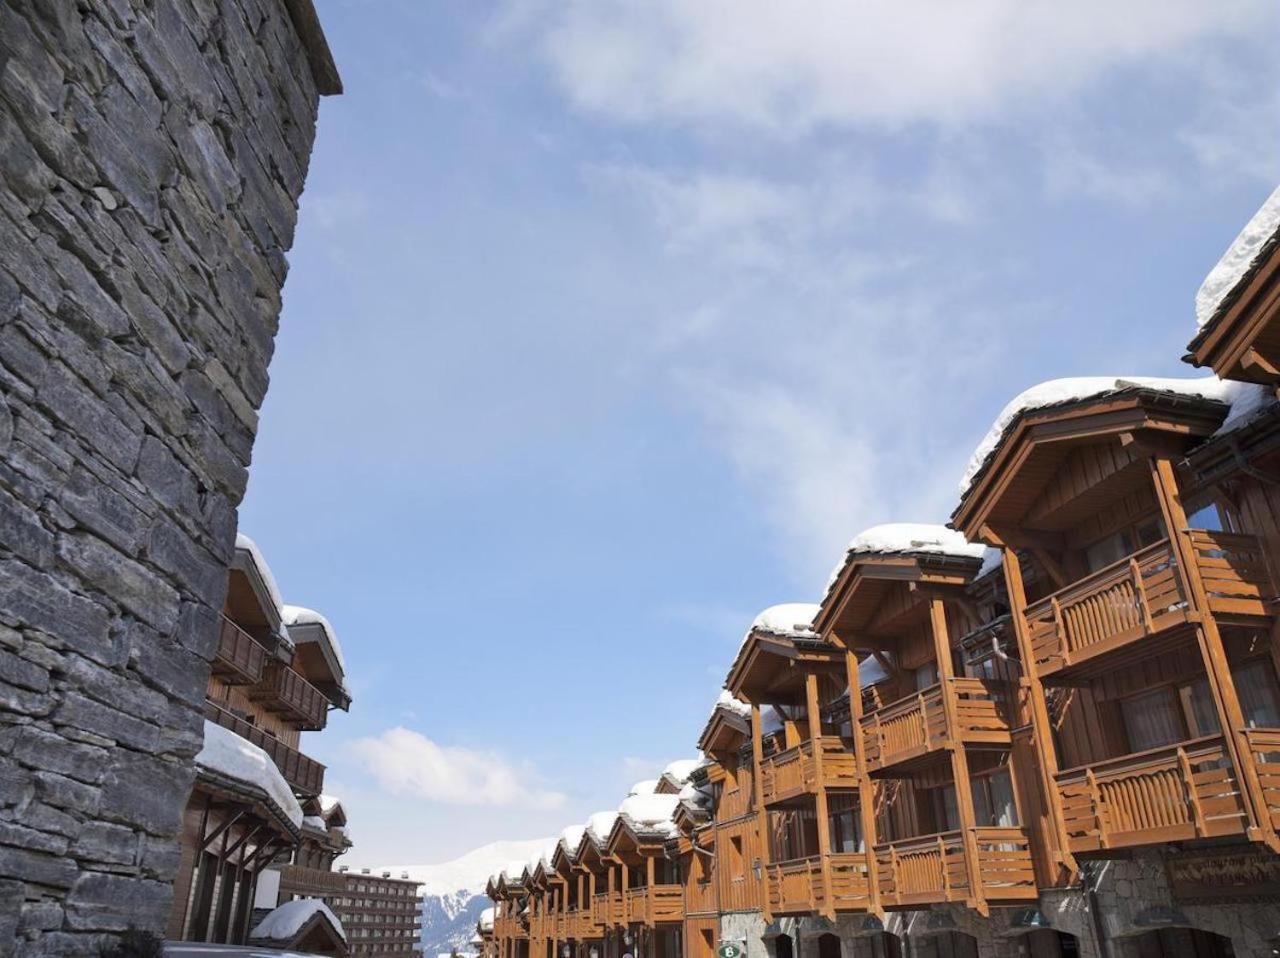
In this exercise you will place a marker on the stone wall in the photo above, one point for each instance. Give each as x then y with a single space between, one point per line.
151 157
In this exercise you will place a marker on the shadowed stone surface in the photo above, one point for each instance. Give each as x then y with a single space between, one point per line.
151 158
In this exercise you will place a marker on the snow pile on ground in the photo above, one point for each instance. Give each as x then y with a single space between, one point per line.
1238 261
283 923
264 571
1057 392
228 754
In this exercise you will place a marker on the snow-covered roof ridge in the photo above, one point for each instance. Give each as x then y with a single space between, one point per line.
315 821
264 571
300 615
645 786
570 839
600 825
283 923
693 795
650 813
485 921
1057 392
790 619
680 770
732 703
227 754
905 538
1238 263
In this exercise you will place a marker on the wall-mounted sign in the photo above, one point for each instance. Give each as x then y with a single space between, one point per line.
730 949
1237 872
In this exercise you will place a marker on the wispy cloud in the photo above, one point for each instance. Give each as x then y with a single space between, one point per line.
408 763
785 69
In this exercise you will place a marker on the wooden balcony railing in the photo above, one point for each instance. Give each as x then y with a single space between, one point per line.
239 658
1142 595
934 869
600 910
798 887
917 724
306 775
638 906
655 904
793 773
285 691
1167 794
1264 746
617 909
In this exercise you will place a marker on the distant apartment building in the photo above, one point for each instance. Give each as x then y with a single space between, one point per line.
380 913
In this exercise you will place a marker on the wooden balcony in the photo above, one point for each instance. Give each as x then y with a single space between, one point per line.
306 775
655 904
799 888
934 869
600 910
916 725
1264 747
239 658
285 691
788 775
1141 597
1170 794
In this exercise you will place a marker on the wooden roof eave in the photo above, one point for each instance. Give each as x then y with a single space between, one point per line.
725 730
1230 342
769 665
1137 411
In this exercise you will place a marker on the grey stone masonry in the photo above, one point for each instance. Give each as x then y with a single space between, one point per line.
151 157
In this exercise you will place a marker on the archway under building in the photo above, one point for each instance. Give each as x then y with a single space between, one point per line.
829 946
783 947
1180 943
1046 943
946 944
884 945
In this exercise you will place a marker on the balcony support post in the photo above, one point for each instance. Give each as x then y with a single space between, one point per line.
762 817
813 707
1230 715
866 802
959 758
1041 724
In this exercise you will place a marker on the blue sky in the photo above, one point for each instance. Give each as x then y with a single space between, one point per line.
609 323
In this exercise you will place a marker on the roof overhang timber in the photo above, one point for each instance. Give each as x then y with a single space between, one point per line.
770 670
726 730
1242 341
249 601
590 856
882 594
1039 441
631 845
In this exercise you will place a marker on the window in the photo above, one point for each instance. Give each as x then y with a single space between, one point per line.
1206 517
938 810
1256 686
1169 714
993 802
846 833
926 676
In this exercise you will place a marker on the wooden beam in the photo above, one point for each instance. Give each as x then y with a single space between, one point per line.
866 806
762 818
814 709
1217 668
1051 566
1151 443
1254 361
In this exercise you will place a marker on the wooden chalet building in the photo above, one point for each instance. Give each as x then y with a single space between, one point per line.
256 802
1048 729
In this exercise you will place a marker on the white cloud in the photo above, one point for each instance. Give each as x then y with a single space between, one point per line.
788 67
405 762
1069 171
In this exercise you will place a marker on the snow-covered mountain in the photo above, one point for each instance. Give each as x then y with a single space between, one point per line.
453 892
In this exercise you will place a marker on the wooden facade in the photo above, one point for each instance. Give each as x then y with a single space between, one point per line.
978 721
267 686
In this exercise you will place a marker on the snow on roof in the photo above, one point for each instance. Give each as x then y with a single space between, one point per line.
732 703
228 754
514 871
283 923
328 803
1238 262
299 615
260 563
651 813
571 838
694 795
906 537
315 821
485 921
791 619
600 825
680 770
1057 392
645 787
